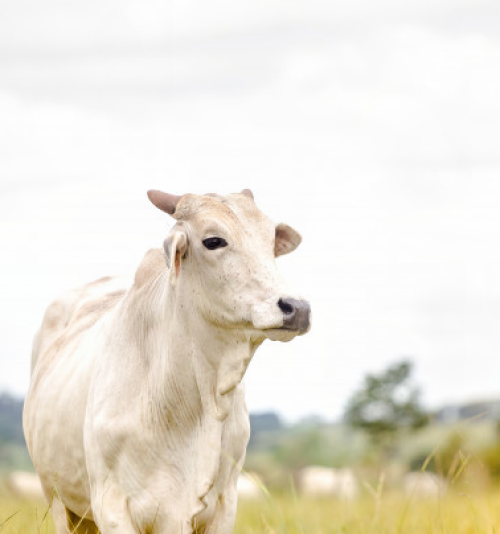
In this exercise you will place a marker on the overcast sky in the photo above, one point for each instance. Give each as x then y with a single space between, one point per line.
373 128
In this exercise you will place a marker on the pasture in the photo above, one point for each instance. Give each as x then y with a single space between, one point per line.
376 512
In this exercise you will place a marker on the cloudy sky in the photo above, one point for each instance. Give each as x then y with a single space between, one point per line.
371 127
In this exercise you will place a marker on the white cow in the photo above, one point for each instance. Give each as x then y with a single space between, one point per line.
249 486
135 417
24 485
318 481
424 485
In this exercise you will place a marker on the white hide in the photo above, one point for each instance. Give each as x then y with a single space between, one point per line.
24 485
135 418
424 485
318 481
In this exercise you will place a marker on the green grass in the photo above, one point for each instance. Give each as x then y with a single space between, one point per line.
374 513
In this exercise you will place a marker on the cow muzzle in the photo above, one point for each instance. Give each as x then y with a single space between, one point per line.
296 315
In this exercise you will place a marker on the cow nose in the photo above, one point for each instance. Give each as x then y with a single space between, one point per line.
296 314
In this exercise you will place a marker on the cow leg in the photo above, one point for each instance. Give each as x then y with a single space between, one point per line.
111 512
59 515
66 522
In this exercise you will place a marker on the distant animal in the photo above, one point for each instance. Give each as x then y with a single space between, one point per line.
318 481
135 417
424 485
249 486
24 485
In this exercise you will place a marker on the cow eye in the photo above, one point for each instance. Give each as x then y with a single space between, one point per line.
214 242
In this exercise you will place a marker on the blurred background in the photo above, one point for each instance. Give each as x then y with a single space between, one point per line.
373 128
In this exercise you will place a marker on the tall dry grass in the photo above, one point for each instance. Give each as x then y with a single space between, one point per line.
457 513
24 517
374 513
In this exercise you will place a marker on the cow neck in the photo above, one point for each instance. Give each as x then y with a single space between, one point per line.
190 386
199 353
213 357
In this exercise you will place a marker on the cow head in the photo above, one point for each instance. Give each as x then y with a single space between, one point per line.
222 252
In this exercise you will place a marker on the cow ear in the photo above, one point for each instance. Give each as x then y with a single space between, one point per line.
175 249
287 240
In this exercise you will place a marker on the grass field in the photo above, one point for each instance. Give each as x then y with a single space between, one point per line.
456 513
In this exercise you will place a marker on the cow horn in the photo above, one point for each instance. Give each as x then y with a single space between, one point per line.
247 193
163 201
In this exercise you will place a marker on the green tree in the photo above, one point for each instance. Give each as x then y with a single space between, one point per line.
387 403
